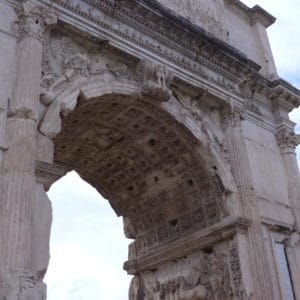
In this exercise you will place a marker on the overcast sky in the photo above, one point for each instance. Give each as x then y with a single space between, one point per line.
87 243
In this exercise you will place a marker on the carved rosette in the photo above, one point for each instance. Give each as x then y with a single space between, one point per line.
155 79
286 140
33 21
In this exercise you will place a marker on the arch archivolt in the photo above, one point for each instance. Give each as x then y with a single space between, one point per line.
153 148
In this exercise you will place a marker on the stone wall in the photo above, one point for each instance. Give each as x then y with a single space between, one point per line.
233 22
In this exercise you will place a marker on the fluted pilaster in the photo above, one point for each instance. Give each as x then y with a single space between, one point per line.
19 191
32 23
231 120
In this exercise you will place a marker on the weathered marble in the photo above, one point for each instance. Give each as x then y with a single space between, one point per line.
174 112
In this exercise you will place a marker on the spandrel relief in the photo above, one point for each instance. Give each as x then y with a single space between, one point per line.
68 58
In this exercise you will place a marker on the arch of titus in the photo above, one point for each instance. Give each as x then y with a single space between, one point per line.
174 112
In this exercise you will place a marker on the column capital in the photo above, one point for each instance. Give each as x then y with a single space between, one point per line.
231 116
286 140
33 19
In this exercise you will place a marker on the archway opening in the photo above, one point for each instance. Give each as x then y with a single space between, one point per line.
87 247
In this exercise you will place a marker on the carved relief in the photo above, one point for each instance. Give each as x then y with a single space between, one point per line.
155 80
67 59
208 276
206 118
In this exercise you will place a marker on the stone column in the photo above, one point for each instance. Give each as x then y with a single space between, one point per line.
231 119
17 202
287 142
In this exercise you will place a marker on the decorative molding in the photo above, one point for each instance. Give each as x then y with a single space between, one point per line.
47 173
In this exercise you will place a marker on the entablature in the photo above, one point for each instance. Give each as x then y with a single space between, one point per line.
145 29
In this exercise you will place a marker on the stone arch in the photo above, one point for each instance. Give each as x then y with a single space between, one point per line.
139 154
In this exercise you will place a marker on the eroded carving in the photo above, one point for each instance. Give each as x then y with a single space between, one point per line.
286 139
231 116
155 80
33 19
67 59
201 275
206 118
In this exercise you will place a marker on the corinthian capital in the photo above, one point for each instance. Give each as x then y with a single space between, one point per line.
33 20
231 116
286 139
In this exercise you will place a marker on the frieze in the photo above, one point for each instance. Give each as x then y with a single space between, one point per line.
214 274
188 53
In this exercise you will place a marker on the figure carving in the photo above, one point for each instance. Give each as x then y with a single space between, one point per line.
213 276
207 119
155 80
65 61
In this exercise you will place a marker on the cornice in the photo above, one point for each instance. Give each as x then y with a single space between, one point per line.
258 14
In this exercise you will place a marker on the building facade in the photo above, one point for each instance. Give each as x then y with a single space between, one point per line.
174 112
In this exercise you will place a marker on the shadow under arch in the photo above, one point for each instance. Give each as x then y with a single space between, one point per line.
167 183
